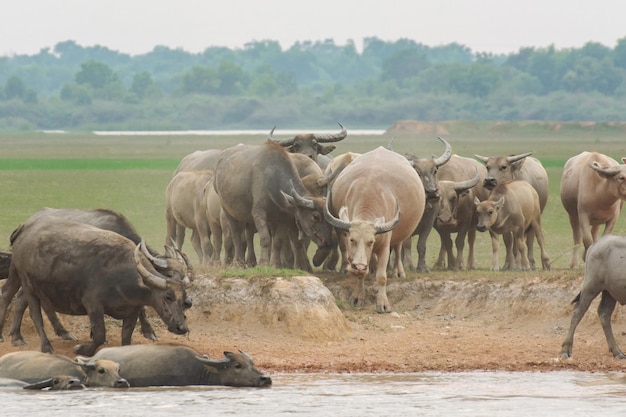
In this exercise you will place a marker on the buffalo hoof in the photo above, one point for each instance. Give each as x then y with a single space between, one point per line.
356 302
151 336
620 355
68 336
84 350
18 342
381 309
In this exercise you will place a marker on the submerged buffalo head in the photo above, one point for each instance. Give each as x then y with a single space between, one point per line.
101 373
58 383
236 370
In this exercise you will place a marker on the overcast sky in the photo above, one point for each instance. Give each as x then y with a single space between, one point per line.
137 26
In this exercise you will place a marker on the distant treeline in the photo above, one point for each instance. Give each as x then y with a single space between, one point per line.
311 84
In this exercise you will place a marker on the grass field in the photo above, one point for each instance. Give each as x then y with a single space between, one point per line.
130 173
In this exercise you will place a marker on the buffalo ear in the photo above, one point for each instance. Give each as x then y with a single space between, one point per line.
476 201
326 149
343 214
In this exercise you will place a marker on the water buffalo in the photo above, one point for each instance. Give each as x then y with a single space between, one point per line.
604 274
259 187
511 210
54 383
79 269
518 167
169 265
186 208
426 168
593 188
457 212
34 367
376 203
310 144
176 365
199 161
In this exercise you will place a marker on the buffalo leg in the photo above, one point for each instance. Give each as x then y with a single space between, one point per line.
128 326
9 289
96 319
407 256
581 305
471 257
459 242
34 307
357 298
146 328
605 311
19 308
382 302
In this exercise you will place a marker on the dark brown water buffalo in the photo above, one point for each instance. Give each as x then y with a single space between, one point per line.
79 269
604 273
312 144
593 188
376 203
511 210
427 169
158 365
169 265
186 208
457 212
260 188
34 367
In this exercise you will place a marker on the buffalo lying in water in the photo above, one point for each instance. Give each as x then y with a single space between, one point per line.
37 368
177 365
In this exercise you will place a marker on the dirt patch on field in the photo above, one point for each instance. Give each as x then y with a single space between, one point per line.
496 322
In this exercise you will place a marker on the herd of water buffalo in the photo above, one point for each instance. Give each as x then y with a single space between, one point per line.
360 208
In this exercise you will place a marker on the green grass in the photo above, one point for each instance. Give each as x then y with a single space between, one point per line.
130 175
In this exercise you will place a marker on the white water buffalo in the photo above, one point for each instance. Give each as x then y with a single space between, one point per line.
311 144
79 269
376 203
426 168
511 210
260 188
186 208
593 188
34 367
170 265
604 273
518 167
177 365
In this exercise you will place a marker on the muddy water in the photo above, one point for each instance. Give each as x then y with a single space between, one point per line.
423 394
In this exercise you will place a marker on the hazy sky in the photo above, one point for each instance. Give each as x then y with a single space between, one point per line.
137 26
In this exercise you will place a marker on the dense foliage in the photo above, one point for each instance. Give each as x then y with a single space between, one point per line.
310 84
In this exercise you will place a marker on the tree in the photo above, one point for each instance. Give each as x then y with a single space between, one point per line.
144 86
96 74
404 64
232 79
200 79
14 88
80 94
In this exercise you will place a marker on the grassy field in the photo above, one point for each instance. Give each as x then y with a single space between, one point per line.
130 173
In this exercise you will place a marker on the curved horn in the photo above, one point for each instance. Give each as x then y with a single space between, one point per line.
385 227
46 383
516 158
269 137
467 184
148 277
608 171
389 144
333 137
332 220
296 199
445 156
485 159
212 362
281 142
161 263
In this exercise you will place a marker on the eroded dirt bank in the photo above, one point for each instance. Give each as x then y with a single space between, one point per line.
511 322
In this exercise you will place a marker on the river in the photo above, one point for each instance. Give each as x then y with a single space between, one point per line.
502 394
